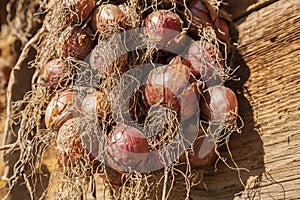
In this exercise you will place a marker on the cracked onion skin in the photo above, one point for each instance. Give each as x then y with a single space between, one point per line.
96 104
62 107
54 74
75 42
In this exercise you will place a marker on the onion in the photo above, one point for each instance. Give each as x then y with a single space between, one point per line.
76 42
96 103
219 105
108 19
108 58
70 148
113 177
164 84
205 60
202 152
189 101
62 107
163 26
200 16
80 8
222 26
54 74
124 140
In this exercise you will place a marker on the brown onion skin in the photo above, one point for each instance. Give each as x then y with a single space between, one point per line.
202 58
107 19
97 104
164 84
69 147
193 155
62 107
163 25
219 104
53 74
81 9
76 42
123 139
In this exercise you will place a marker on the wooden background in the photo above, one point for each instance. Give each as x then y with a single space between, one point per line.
268 55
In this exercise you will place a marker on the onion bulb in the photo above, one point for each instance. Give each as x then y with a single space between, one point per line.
163 26
219 104
62 107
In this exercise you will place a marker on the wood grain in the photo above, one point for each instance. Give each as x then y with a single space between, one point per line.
242 8
269 97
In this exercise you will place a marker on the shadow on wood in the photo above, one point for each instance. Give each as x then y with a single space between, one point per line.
246 162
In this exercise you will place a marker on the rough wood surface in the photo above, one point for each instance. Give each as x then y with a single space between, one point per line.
269 97
241 8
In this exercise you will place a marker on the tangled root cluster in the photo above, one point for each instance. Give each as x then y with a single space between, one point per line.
77 165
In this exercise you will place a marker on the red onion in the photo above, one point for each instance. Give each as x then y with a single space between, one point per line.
165 84
202 153
222 26
105 60
189 101
62 107
97 104
200 16
202 60
54 74
108 19
70 149
76 42
163 26
123 140
80 8
219 104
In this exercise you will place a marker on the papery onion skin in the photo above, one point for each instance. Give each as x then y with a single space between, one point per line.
62 107
163 26
96 104
219 104
75 42
54 74
165 84
108 19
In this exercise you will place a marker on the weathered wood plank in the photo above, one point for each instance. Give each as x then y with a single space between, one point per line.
269 97
242 8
